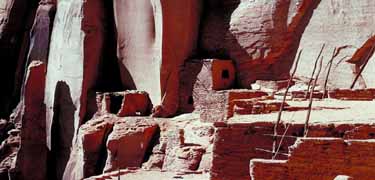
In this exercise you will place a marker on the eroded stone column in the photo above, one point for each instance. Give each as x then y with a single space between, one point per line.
75 52
32 156
139 45
16 17
41 31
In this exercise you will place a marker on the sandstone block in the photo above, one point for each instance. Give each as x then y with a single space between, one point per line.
188 158
180 154
85 158
128 142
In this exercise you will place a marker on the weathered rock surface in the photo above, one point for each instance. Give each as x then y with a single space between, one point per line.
5 126
74 56
88 154
353 26
158 36
321 158
32 156
128 142
16 18
41 31
250 33
158 153
8 154
187 144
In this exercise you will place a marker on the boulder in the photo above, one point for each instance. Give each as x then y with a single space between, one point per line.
187 147
87 157
188 158
128 142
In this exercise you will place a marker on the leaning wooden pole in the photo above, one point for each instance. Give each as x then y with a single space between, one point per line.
283 104
314 69
363 67
328 73
281 142
306 129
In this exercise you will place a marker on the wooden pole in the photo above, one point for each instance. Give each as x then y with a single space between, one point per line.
311 99
283 104
313 72
328 73
281 141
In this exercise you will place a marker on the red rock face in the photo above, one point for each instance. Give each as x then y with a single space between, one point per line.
156 36
16 18
183 57
74 56
136 138
32 156
251 32
85 159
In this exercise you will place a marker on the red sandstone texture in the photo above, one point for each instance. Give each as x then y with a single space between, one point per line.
166 89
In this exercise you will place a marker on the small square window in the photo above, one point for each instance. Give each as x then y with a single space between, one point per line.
225 74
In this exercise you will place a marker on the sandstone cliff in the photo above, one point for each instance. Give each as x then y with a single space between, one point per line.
66 65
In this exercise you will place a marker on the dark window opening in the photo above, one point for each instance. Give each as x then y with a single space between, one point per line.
116 102
225 74
191 100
